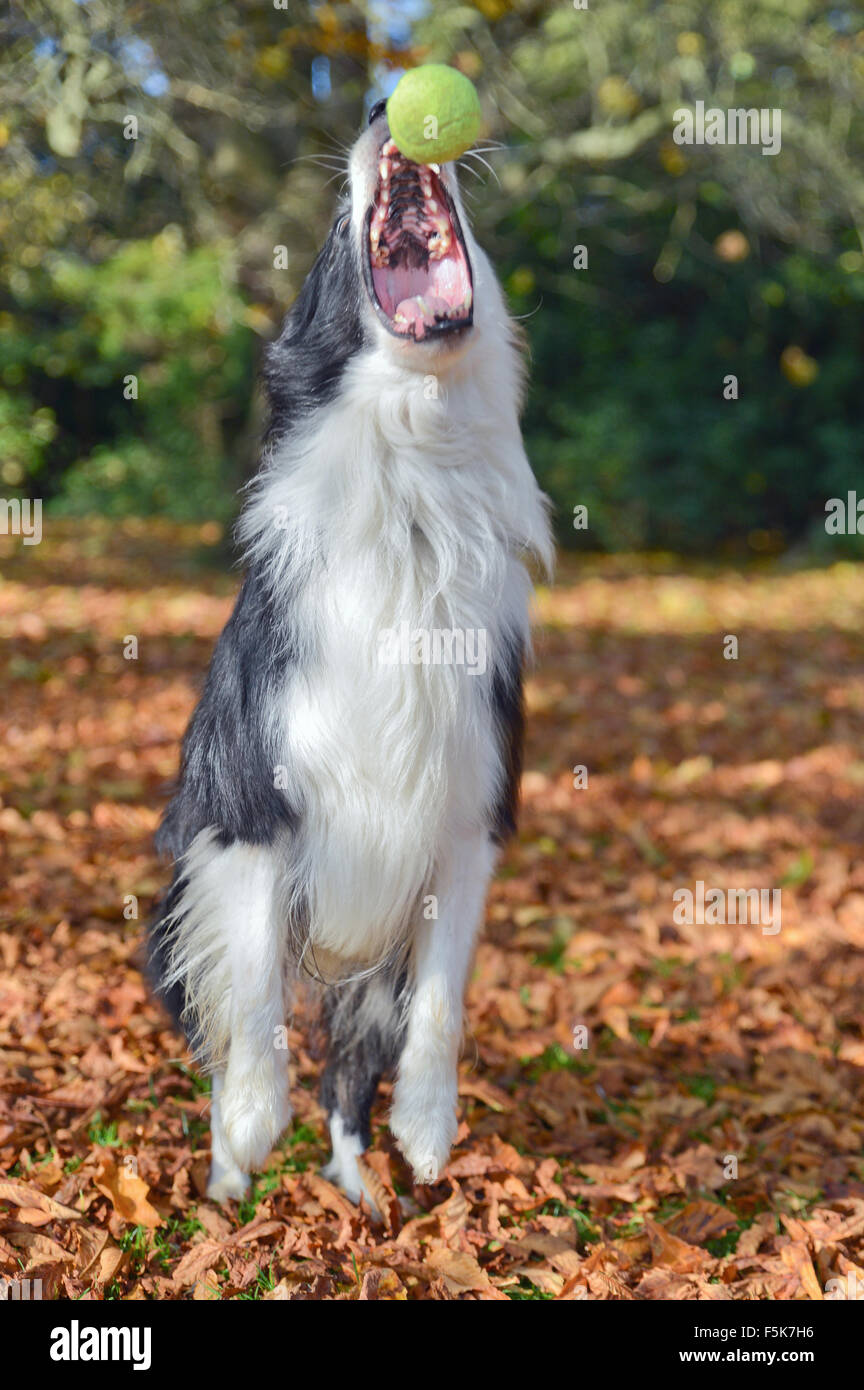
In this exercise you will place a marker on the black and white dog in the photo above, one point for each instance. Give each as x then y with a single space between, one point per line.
349 772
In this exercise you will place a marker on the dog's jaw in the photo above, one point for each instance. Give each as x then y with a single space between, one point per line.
415 250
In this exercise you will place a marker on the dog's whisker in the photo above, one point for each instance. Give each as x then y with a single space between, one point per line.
482 161
336 143
468 169
338 175
322 161
531 312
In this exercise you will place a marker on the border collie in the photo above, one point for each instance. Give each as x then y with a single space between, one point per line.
343 792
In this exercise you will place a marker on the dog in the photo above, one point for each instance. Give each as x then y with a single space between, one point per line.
353 764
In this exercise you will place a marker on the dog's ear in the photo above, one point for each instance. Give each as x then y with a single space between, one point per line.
322 331
334 276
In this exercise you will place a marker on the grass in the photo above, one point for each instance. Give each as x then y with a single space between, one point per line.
104 1133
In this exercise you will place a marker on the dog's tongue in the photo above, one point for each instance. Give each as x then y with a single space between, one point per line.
420 310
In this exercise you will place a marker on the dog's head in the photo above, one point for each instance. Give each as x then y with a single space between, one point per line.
400 275
406 220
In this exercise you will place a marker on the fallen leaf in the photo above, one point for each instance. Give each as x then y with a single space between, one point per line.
127 1193
459 1270
26 1197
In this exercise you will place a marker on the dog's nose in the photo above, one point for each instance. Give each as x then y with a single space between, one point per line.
378 108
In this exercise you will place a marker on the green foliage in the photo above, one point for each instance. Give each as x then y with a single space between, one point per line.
26 429
153 257
627 414
702 261
151 351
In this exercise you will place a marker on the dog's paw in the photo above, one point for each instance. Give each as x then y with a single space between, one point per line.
227 1184
255 1111
350 1181
343 1170
423 1123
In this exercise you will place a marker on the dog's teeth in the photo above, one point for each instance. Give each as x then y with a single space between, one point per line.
436 168
440 240
384 169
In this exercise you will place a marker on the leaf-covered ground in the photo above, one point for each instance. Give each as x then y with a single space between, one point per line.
706 1144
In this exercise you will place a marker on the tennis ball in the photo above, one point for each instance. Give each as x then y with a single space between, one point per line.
433 113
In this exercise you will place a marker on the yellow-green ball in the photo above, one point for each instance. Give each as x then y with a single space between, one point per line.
433 114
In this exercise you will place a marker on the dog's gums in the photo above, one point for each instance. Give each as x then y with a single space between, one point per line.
418 269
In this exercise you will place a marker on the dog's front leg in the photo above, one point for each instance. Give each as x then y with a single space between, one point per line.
226 1179
251 1105
423 1119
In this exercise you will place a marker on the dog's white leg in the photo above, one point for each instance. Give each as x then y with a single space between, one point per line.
226 1179
343 1169
423 1119
254 1105
227 949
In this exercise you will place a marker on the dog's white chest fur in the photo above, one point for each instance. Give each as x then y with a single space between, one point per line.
395 528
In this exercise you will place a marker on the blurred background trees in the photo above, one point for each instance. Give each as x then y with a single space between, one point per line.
155 156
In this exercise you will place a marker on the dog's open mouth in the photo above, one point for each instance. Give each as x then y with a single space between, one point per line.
416 262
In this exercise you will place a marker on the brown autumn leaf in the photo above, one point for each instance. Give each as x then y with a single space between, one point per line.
605 1191
328 1194
700 1221
575 1290
92 1240
197 1261
213 1221
620 1171
459 1270
30 1198
797 1258
542 1277
542 1243
452 1214
280 1293
33 1216
674 1255
40 1249
699 1167
418 1229
666 1285
382 1285
479 1089
379 1185
109 1263
568 1262
616 1018
127 1193
756 1049
206 1289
